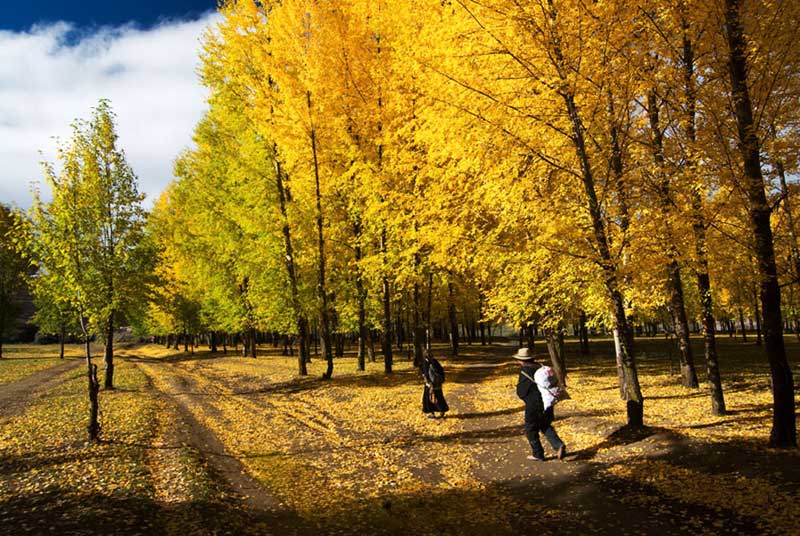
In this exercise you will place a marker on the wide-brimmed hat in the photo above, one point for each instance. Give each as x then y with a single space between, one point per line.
523 354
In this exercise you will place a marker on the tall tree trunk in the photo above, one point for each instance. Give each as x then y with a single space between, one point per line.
299 318
583 333
758 317
322 292
94 385
555 347
428 311
108 358
417 331
742 325
361 294
784 426
386 341
481 323
370 346
62 335
699 230
530 336
675 304
622 199
632 390
453 315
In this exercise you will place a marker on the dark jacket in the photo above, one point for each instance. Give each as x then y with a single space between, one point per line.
432 397
529 392
428 365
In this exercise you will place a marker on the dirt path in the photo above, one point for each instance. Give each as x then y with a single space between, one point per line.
16 396
587 500
183 394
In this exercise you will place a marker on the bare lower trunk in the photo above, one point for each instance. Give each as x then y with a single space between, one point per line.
108 358
418 331
741 324
758 318
633 394
428 311
555 347
453 317
94 386
370 346
620 368
386 341
709 341
583 333
678 309
61 337
784 426
361 294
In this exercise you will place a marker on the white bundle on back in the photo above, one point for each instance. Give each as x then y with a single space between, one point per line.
547 383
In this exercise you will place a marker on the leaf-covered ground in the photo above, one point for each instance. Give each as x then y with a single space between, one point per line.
204 444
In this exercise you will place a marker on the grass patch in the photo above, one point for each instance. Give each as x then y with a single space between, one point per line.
54 480
22 360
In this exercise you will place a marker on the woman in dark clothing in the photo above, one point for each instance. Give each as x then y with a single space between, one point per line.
432 397
537 419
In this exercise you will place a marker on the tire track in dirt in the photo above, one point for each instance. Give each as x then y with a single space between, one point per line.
185 395
15 397
307 418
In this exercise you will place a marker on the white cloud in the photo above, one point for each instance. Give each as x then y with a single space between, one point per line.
48 78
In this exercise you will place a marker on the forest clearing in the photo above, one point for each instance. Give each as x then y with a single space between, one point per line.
212 444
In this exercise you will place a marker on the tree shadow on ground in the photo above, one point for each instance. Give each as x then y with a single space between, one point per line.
63 511
178 358
625 435
308 383
508 411
572 504
50 358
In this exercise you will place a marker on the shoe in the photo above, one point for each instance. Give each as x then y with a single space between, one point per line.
431 416
534 458
562 452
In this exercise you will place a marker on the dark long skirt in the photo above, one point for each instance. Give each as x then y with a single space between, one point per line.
439 405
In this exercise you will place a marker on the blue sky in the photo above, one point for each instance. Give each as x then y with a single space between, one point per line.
19 16
59 58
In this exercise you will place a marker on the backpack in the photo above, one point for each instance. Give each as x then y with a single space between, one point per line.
435 373
552 393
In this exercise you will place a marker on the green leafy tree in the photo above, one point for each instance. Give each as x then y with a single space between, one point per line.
90 238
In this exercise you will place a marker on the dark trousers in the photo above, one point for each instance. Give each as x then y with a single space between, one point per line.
534 424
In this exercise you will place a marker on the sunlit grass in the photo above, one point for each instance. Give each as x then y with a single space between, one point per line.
22 360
